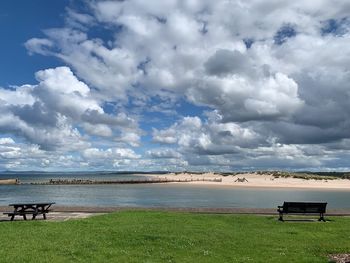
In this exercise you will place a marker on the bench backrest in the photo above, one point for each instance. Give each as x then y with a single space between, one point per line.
304 207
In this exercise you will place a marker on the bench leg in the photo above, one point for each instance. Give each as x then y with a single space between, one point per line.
44 216
322 218
34 215
12 217
24 217
281 217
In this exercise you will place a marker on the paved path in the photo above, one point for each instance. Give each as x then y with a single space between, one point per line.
62 213
54 216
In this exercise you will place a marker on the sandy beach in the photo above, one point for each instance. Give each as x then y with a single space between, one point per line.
255 180
8 181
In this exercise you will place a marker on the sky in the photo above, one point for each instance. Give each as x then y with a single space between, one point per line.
173 85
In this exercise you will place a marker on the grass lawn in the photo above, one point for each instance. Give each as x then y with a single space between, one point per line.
173 237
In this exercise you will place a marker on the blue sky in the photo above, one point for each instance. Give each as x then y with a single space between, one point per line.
174 85
20 21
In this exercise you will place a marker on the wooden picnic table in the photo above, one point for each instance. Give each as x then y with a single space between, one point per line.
34 209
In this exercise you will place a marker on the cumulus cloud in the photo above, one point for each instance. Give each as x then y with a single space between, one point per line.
16 155
242 99
94 153
163 153
269 75
6 141
196 55
115 157
62 135
212 138
49 114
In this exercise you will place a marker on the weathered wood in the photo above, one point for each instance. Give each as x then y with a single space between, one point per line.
33 209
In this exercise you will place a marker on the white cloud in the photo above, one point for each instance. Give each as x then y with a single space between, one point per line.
62 135
192 135
111 157
242 99
21 96
270 75
48 114
6 141
95 153
78 20
98 129
111 71
163 153
39 46
24 156
61 80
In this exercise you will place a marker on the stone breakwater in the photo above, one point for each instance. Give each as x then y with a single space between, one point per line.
135 181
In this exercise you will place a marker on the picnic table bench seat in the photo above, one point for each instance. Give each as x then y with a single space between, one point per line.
302 208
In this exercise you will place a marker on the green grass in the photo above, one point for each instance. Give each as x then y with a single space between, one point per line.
173 237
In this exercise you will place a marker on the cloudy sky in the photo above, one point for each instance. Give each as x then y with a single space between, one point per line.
174 85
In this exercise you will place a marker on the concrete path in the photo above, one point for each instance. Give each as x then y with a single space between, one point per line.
63 213
54 216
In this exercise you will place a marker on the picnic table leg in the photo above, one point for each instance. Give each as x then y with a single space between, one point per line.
44 216
24 217
14 213
34 215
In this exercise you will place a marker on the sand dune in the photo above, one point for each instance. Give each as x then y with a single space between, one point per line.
258 180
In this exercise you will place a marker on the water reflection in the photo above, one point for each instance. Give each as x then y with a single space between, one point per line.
166 195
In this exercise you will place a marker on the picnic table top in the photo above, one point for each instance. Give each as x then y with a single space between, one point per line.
32 204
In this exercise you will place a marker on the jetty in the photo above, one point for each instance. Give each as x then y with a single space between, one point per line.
133 181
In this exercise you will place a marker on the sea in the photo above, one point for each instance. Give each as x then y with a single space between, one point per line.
155 195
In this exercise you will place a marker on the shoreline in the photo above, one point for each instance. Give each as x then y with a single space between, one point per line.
234 186
257 180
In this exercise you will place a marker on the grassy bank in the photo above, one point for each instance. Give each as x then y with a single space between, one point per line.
173 237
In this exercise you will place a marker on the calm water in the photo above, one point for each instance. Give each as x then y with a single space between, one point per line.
151 195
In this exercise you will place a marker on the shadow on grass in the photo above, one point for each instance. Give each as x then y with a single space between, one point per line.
300 220
304 220
2 220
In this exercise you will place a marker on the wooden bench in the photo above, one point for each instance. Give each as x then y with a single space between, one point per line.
302 208
33 209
